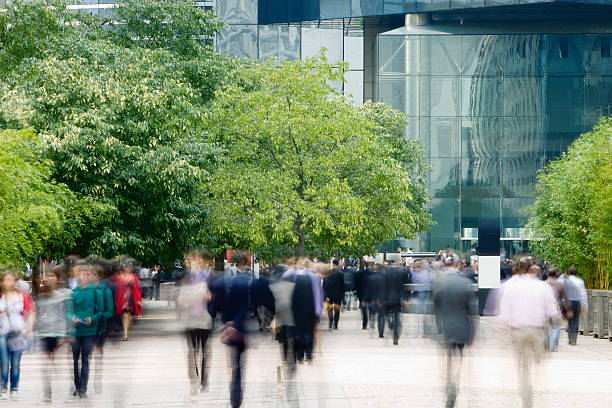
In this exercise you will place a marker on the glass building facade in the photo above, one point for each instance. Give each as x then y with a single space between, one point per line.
492 107
494 89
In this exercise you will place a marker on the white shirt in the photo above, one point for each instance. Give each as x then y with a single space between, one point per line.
527 302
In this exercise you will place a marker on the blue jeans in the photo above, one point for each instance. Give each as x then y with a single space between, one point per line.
82 347
554 330
12 359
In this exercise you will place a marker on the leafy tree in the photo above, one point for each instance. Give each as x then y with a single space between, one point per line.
122 122
305 169
37 216
173 25
573 213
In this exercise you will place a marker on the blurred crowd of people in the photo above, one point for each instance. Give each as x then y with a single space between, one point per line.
83 301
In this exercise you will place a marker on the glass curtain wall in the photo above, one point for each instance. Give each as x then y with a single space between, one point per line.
491 111
342 39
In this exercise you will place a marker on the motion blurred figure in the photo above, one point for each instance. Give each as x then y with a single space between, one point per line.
54 303
577 294
527 305
282 290
87 309
235 312
455 310
17 317
107 312
333 290
563 302
393 281
127 296
263 300
193 299
361 284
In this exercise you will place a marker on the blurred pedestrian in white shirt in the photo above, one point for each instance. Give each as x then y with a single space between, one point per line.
527 304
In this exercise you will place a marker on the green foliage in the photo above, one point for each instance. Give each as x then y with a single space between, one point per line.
178 26
306 169
37 216
573 213
122 121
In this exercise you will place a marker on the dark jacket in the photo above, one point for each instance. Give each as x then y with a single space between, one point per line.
361 281
261 293
374 290
236 304
302 305
394 280
455 308
333 286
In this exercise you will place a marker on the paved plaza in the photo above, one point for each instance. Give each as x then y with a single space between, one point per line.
352 368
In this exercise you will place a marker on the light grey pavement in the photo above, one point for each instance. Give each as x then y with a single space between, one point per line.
352 368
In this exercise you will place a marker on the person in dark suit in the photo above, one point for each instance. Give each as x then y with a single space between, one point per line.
456 312
393 281
333 290
361 281
235 312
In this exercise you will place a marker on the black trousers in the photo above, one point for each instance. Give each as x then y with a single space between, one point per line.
454 357
81 349
197 355
236 385
395 314
572 324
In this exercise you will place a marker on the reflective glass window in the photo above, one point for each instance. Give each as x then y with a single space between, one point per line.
353 51
441 136
444 177
354 86
366 7
520 175
440 55
238 11
480 177
335 8
314 39
439 96
398 54
238 41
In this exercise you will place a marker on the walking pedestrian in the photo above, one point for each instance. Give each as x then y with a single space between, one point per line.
577 294
456 312
17 317
103 293
527 305
564 304
54 304
235 312
394 279
127 295
87 309
193 299
333 290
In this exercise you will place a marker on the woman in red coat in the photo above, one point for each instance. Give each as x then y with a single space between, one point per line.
127 296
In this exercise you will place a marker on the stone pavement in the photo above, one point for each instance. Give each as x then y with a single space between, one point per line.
352 368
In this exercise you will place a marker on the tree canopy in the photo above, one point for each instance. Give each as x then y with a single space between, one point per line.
122 114
573 212
305 169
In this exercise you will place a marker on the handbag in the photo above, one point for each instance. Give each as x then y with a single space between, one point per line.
16 342
230 335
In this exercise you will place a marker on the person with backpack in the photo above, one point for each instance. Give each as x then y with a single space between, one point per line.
87 310
105 295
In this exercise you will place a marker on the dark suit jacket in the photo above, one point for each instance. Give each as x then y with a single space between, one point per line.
455 308
394 280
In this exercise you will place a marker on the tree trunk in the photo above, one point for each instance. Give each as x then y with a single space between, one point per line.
299 249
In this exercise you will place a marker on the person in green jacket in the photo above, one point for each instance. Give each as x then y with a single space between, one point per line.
87 310
108 310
